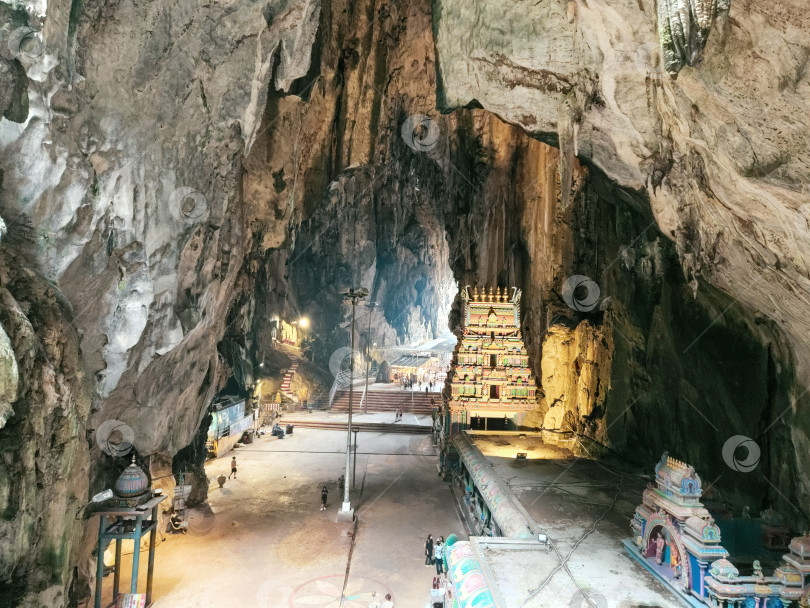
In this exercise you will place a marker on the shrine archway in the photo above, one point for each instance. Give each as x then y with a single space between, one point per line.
657 524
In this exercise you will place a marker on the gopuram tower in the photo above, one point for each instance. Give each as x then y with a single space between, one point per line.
491 386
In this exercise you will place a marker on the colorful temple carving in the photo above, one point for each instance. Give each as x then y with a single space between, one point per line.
676 538
789 585
491 385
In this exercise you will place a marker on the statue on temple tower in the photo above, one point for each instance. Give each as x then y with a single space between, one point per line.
674 559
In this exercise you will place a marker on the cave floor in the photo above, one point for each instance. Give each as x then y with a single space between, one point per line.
585 506
265 542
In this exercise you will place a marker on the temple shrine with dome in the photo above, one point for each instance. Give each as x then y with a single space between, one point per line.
491 386
676 539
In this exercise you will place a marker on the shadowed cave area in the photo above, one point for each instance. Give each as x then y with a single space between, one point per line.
581 232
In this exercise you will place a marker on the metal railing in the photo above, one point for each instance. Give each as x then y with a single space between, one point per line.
342 381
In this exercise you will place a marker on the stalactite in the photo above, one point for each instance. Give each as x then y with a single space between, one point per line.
683 29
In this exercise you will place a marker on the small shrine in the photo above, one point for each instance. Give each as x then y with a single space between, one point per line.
131 514
672 530
491 386
676 538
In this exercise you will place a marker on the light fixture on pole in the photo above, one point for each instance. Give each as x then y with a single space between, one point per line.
346 512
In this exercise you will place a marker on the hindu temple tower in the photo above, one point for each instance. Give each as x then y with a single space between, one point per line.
490 385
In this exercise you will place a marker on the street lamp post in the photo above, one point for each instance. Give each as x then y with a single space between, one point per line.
371 306
346 512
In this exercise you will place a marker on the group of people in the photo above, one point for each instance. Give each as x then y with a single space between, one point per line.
408 383
433 553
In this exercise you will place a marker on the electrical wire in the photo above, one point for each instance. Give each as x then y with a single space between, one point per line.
564 562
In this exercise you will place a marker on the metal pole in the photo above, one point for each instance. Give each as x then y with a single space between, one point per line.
368 358
346 501
136 554
354 466
102 526
117 575
346 512
414 382
150 571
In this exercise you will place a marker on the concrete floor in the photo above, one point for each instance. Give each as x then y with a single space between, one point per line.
570 499
265 542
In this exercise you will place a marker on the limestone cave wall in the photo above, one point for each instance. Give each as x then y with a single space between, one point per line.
176 175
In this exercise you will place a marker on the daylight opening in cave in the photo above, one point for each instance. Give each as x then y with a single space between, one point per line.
428 303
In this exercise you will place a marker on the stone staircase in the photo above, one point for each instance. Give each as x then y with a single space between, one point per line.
387 401
286 382
368 427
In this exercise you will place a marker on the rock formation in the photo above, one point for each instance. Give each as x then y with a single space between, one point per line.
175 175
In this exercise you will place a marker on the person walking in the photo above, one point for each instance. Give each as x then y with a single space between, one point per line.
429 550
233 468
388 603
374 603
324 492
437 555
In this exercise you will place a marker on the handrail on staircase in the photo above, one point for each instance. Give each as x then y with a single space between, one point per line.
342 380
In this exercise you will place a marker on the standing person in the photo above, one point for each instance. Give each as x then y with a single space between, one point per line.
374 603
659 548
437 555
429 550
233 468
324 492
387 603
